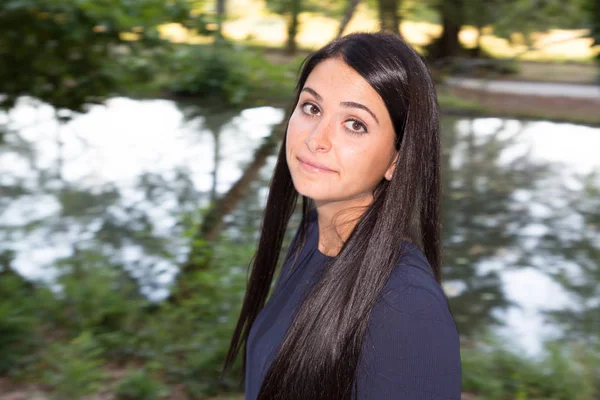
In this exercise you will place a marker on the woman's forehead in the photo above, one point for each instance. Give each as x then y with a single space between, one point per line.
333 79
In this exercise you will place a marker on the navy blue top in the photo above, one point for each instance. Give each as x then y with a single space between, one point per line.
411 350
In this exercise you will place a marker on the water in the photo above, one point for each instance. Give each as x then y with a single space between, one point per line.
519 200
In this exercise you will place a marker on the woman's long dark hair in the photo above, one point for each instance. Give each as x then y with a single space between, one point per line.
319 355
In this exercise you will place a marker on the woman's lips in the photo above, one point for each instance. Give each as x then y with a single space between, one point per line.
308 166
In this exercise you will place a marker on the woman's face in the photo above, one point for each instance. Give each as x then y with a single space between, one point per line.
341 124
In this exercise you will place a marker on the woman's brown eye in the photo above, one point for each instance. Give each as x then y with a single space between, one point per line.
355 126
310 109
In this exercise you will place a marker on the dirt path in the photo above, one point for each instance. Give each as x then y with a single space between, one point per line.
581 110
544 89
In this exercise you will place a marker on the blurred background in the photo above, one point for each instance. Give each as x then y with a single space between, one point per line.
137 139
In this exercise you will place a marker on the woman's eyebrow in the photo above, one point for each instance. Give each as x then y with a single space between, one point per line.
347 104
313 92
352 104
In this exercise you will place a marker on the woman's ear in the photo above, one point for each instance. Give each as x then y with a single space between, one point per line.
390 171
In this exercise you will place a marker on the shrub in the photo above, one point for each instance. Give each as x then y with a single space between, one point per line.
564 371
74 369
229 75
139 386
18 335
98 297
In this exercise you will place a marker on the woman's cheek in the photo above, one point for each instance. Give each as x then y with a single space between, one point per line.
352 152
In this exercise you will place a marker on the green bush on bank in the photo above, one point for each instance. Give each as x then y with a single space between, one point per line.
565 371
230 75
139 385
183 344
19 339
74 369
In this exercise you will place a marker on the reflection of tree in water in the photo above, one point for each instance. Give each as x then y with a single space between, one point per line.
119 221
96 218
481 219
214 119
221 207
571 250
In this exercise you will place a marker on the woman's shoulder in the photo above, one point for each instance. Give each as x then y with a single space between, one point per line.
412 348
412 285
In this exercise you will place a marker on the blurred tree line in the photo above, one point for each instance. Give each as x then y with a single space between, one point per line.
70 53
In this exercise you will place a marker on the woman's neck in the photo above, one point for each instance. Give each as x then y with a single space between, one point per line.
336 222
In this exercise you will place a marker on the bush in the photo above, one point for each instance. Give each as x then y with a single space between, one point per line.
77 66
18 320
230 75
564 372
98 297
74 369
139 386
189 338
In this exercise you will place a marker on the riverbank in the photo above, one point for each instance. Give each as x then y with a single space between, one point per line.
474 102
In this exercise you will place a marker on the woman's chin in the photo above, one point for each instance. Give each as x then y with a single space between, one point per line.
314 193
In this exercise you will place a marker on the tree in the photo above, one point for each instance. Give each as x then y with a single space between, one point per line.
592 9
523 17
293 24
67 52
481 218
291 9
452 19
389 20
348 13
572 258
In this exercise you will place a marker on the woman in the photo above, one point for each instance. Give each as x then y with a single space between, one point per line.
358 311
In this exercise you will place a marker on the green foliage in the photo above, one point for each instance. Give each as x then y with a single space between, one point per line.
415 10
592 8
74 369
138 385
18 334
330 8
230 76
66 52
527 16
515 20
189 339
95 295
495 372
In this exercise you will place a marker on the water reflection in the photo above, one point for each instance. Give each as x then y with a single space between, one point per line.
117 179
521 205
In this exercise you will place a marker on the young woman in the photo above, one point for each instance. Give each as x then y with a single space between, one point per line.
358 311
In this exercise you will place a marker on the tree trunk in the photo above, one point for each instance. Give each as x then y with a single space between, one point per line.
452 21
350 9
295 7
477 51
212 223
389 20
217 162
220 18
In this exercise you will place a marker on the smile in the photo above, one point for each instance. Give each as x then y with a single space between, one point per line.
313 168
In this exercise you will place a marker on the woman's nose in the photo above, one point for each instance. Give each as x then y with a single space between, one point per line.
319 139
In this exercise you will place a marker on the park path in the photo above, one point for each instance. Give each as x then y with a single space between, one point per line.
546 89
